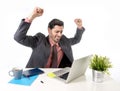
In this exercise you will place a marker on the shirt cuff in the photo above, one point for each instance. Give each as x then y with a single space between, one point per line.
27 20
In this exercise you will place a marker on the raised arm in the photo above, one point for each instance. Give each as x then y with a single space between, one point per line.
20 35
80 29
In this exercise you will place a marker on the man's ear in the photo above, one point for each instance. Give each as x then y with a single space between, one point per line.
49 30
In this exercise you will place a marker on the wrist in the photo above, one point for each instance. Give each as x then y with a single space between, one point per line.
28 20
80 27
31 18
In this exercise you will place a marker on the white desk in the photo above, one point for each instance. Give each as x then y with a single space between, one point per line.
83 83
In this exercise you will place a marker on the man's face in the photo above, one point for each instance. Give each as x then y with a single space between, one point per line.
55 33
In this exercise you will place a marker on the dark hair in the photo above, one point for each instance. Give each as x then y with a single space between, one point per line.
54 22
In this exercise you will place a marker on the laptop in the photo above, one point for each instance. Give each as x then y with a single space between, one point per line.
77 69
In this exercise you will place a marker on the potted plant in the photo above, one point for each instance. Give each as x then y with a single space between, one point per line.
99 66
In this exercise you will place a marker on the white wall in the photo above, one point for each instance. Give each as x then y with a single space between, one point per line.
100 18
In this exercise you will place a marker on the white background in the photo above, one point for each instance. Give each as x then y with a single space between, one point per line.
101 19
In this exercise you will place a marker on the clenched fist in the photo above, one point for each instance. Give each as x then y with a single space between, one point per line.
78 22
36 13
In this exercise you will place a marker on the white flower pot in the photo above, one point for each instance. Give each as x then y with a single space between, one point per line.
97 76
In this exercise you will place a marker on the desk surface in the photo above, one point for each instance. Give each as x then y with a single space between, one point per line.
83 83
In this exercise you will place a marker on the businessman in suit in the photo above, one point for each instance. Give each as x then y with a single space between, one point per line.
41 45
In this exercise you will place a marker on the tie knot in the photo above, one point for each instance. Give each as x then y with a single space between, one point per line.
54 45
54 49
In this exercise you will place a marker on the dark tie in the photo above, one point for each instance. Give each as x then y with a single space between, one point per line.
54 57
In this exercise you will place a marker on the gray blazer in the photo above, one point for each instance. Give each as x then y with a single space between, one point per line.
41 47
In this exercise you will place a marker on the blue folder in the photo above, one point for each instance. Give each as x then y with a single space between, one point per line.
27 81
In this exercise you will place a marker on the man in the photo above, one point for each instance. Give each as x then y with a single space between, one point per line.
41 45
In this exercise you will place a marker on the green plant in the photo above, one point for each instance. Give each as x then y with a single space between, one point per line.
100 63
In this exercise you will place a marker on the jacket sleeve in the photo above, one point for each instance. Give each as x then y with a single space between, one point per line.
77 37
21 37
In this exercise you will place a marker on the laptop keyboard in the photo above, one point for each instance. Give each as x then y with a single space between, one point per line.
64 76
62 71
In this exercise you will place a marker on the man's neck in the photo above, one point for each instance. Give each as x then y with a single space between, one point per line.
52 42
